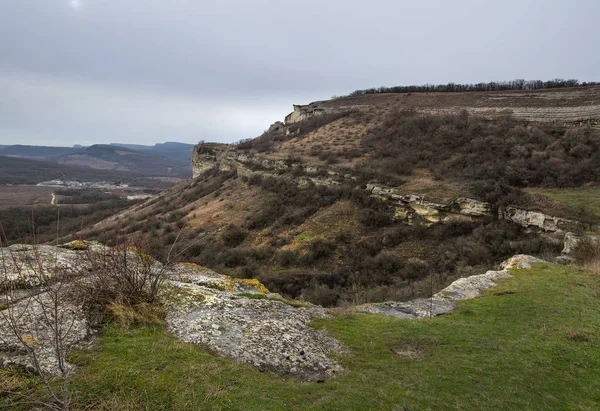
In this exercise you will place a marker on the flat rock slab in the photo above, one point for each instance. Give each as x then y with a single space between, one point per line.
420 308
241 320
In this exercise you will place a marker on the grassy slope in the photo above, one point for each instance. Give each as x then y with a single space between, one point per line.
530 343
587 198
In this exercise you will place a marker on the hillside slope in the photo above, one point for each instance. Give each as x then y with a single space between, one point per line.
372 198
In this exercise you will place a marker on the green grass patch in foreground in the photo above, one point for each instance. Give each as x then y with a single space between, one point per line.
530 343
586 198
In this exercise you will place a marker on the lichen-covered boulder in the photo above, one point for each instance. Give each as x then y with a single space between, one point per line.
572 241
242 320
471 287
520 261
34 325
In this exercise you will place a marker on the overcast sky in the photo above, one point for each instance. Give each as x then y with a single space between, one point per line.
146 71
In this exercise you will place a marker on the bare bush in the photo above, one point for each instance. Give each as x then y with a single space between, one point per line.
121 276
39 322
49 298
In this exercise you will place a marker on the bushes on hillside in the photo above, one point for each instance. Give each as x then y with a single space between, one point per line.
464 147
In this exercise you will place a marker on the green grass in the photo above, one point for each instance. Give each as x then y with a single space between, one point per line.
586 198
531 343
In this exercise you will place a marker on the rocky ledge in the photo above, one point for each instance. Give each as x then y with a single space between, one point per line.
237 318
445 301
242 320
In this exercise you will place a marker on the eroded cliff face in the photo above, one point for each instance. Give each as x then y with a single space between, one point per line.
527 218
411 208
206 156
305 112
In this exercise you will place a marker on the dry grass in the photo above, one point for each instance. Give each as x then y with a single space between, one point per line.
10 382
593 265
327 223
423 182
11 196
139 314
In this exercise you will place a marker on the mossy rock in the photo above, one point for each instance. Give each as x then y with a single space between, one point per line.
76 245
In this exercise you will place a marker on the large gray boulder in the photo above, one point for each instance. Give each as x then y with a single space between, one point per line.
240 319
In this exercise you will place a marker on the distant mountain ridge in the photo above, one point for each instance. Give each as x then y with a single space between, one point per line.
163 159
17 170
169 146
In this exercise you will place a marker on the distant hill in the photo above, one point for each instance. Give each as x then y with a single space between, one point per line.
167 147
40 152
167 159
180 152
173 146
26 171
112 157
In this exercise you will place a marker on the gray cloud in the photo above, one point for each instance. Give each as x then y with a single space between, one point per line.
155 70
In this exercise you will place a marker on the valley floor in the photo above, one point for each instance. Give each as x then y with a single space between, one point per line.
529 343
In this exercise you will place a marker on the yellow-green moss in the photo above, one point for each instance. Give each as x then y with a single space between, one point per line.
141 254
252 283
76 245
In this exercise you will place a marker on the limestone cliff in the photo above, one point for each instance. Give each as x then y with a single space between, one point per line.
206 156
305 112
411 208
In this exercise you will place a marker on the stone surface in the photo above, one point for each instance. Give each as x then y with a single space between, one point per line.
520 261
241 320
24 265
276 127
572 240
205 157
237 318
443 301
34 319
305 112
527 218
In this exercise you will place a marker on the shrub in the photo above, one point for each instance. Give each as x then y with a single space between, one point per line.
125 277
287 258
375 218
319 249
233 235
587 251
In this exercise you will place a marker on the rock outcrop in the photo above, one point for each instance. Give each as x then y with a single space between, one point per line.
238 318
444 301
305 112
206 156
242 320
527 218
409 207
571 242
